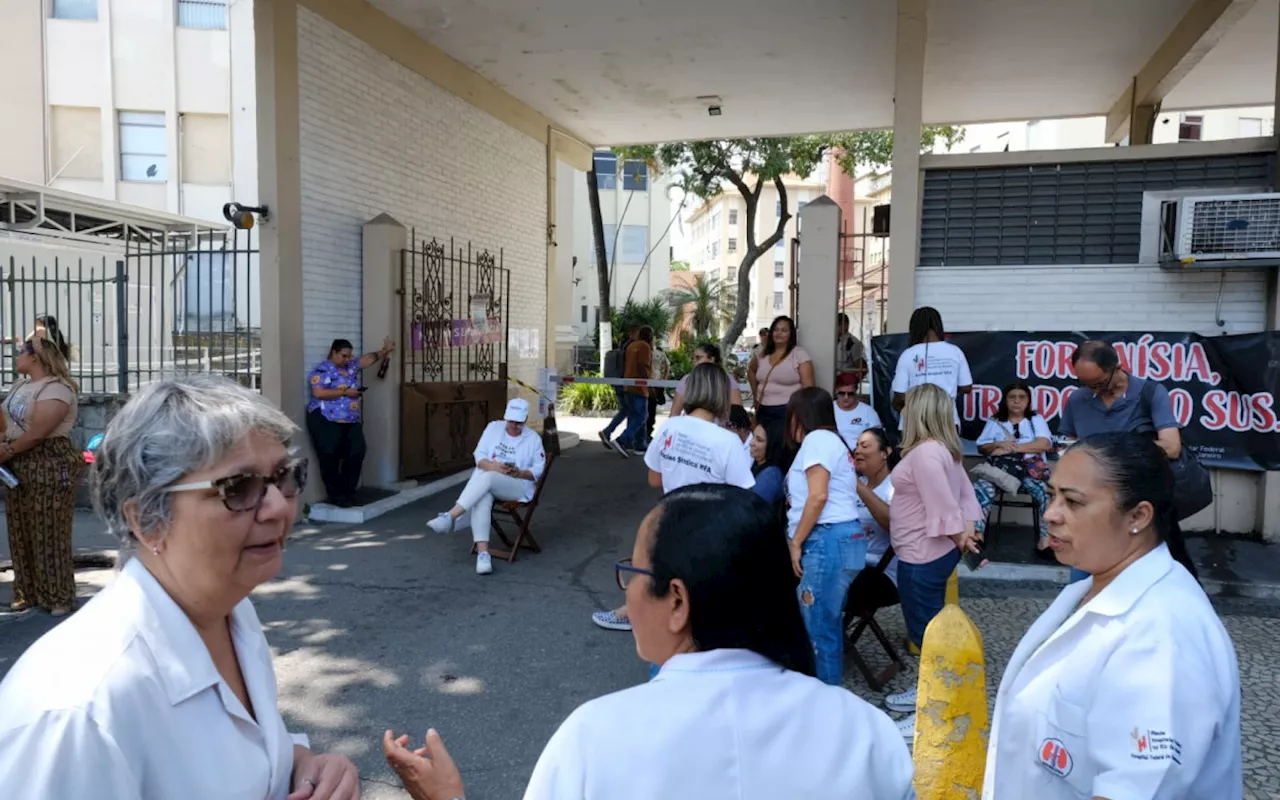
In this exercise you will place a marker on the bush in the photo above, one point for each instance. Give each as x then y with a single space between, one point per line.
585 398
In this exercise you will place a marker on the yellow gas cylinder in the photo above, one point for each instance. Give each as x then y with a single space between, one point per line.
951 709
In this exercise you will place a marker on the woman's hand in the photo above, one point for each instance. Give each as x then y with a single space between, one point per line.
323 777
797 550
351 392
428 773
966 542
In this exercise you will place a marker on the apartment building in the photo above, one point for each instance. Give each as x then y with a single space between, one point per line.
636 211
144 102
718 239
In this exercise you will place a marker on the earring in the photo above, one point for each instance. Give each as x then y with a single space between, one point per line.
1133 531
155 551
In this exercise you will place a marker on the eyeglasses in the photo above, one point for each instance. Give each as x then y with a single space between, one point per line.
246 491
27 349
626 572
846 394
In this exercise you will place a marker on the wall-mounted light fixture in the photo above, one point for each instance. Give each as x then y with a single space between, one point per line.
242 216
713 104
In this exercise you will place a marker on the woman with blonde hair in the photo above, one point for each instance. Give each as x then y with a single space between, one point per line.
931 519
39 413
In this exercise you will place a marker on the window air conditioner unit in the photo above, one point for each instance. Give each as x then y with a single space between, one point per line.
1215 231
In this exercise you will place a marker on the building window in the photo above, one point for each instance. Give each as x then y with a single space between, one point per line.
715 222
209 15
733 216
584 313
779 269
1190 128
777 212
800 206
777 301
606 165
635 176
74 9
733 245
1250 126
715 249
733 274
635 244
781 243
143 147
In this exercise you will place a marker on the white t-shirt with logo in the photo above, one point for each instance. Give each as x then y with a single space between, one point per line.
940 363
853 422
828 450
525 451
877 536
688 450
1028 431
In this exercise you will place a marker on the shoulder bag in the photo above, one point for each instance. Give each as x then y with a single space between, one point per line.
1192 486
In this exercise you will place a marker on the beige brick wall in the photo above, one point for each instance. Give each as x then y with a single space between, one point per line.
379 138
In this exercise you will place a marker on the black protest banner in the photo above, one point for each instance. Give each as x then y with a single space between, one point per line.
1223 388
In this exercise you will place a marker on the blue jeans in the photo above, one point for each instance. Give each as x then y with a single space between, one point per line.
637 406
922 589
831 558
769 485
620 417
1077 575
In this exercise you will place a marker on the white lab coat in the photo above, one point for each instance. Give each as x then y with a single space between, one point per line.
725 725
1135 696
123 701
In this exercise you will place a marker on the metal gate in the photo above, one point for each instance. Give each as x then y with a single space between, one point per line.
454 320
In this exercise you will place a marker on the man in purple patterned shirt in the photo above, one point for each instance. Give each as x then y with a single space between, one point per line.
333 417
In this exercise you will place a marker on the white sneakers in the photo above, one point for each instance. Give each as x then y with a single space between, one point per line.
484 564
907 727
902 702
443 523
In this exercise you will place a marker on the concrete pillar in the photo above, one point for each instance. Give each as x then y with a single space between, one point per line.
819 292
383 278
908 99
567 179
950 751
284 374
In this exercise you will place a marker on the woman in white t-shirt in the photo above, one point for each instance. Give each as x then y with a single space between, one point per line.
828 543
691 449
852 415
509 462
873 458
930 359
1015 441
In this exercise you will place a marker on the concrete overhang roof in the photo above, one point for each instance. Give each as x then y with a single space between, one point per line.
633 72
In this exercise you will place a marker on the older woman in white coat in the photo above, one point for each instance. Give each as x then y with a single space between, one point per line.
735 713
162 685
1127 688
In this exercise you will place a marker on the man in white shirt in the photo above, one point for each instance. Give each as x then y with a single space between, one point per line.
930 359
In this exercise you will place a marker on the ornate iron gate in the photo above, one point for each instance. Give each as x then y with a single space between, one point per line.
454 318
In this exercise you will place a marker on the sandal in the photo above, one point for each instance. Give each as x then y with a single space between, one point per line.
60 611
19 606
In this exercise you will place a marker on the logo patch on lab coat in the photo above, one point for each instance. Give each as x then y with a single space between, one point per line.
1054 757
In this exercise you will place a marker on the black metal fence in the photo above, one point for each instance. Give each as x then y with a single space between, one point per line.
163 304
456 314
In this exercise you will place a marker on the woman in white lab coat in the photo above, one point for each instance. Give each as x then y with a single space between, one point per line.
1127 687
735 713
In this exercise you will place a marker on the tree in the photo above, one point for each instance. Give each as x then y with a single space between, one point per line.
679 266
704 306
705 169
597 229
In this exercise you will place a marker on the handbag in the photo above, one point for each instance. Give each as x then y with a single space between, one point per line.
1192 486
755 412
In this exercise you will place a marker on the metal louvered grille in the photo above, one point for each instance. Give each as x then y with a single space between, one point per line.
1244 226
1064 213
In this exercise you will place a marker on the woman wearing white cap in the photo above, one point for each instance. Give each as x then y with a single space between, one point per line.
509 461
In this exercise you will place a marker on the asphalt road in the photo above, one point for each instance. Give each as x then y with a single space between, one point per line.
387 625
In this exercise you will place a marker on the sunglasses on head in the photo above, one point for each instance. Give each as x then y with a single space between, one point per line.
246 491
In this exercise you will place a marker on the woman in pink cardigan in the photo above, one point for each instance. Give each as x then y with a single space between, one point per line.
931 518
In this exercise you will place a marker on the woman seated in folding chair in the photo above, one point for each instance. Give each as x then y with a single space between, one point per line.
509 461
873 459
1015 442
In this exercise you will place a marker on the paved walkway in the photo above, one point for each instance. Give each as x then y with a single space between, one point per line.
388 626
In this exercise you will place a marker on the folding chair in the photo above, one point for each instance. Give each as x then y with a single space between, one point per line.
522 514
1003 500
871 591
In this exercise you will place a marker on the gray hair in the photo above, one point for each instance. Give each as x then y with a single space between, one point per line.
707 389
170 429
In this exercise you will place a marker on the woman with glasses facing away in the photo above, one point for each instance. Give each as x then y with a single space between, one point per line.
1015 441
39 414
827 540
735 713
692 448
932 518
162 685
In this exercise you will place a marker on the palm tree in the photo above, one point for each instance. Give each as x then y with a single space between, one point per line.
704 306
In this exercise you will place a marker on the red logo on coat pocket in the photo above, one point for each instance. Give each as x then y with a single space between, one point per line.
1054 757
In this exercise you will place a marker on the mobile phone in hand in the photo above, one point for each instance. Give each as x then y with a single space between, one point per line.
363 389
973 560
